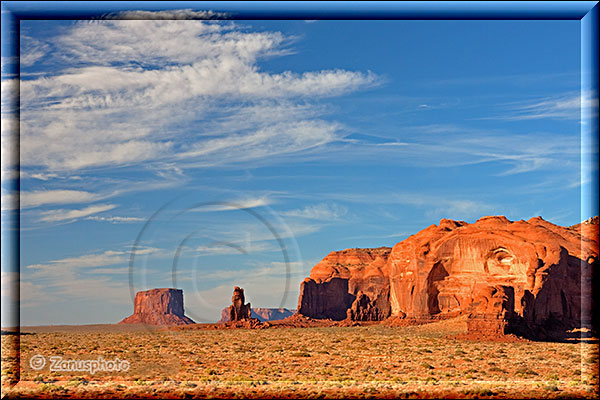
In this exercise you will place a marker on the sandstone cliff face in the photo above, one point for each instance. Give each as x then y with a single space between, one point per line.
334 284
364 308
523 276
158 307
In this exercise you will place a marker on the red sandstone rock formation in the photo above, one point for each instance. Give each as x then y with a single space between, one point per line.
158 307
261 313
240 314
491 310
238 310
271 314
335 282
364 308
527 277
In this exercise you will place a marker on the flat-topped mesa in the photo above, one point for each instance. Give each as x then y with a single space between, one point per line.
523 276
158 307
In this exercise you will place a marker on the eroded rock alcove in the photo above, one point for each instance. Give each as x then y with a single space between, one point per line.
527 277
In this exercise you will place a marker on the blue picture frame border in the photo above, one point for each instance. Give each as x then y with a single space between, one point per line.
587 12
415 10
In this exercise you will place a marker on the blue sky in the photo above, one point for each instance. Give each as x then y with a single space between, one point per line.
253 135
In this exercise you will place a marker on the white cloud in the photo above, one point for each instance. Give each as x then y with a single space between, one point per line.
8 284
237 204
461 209
253 233
41 177
86 277
433 205
115 219
151 90
263 145
5 62
31 50
462 146
109 271
45 197
272 269
221 248
9 129
382 236
19 294
322 211
147 250
98 289
10 93
67 215
87 261
166 14
109 257
566 106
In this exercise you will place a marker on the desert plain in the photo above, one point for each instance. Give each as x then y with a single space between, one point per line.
494 309
371 360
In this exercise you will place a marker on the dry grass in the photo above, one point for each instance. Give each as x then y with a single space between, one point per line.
374 361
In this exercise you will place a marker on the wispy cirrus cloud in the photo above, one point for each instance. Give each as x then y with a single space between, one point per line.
38 198
567 106
109 257
451 146
115 219
146 89
32 50
271 141
321 211
89 261
72 215
186 14
433 205
221 248
236 204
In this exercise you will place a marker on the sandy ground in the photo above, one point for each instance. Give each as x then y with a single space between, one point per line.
373 361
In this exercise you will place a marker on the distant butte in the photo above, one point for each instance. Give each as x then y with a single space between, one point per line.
158 307
531 277
261 313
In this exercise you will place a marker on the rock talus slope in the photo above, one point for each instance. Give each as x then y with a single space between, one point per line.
525 277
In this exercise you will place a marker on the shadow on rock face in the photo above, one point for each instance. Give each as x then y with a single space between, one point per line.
530 278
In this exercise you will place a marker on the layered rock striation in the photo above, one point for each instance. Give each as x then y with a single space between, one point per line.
527 277
335 282
158 307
